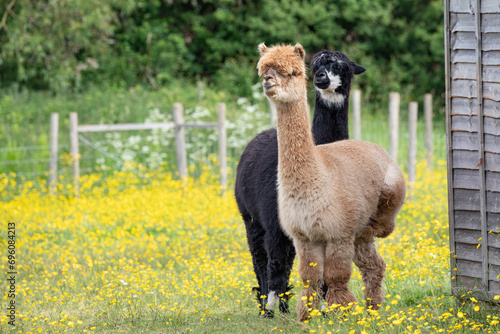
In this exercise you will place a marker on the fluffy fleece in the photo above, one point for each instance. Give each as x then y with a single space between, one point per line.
334 199
272 251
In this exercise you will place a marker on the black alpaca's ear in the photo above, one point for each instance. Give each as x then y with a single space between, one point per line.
262 48
358 69
298 49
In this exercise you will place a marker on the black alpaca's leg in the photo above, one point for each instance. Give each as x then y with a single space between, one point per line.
255 238
280 261
324 288
289 267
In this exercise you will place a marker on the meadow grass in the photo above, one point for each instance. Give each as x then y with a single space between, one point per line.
25 124
25 119
150 255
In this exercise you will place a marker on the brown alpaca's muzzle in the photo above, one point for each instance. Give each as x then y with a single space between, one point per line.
270 80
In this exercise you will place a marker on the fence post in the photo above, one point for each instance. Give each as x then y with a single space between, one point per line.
356 112
429 141
393 124
180 141
221 115
75 159
54 138
412 143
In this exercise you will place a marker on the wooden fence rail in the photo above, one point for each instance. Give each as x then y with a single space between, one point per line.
180 141
394 111
178 125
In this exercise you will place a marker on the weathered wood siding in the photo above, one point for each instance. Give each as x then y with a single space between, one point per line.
472 48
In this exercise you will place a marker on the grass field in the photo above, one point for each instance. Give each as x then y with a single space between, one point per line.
135 255
25 124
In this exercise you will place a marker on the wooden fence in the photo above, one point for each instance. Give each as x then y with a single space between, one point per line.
394 112
180 142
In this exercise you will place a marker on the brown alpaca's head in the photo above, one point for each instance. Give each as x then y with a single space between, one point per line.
284 72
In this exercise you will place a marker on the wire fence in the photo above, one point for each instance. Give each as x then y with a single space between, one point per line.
377 131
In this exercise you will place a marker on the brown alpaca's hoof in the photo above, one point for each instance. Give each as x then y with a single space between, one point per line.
308 304
374 297
373 307
302 313
302 306
374 304
340 297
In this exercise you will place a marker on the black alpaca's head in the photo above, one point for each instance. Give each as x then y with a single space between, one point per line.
332 74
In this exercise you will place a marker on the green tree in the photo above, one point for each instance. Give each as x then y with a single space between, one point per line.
65 44
54 41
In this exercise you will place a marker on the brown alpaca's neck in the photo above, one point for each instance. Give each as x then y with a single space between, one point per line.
295 140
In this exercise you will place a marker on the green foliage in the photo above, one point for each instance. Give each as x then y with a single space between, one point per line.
54 41
68 45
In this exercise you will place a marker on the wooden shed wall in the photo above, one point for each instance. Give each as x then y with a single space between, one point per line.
473 133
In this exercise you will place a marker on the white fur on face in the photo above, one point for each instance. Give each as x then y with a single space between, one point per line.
335 81
271 300
329 95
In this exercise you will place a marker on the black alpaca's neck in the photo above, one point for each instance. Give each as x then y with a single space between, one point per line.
330 121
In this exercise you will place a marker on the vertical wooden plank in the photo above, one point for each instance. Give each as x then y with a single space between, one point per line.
412 143
356 113
180 140
75 154
449 149
482 174
221 114
54 141
429 140
394 124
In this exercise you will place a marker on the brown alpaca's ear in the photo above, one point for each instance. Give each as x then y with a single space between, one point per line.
298 49
262 48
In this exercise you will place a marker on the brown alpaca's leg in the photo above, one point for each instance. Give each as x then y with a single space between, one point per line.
338 270
311 263
372 268
391 199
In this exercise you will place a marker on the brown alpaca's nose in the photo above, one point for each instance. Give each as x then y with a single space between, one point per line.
270 74
269 79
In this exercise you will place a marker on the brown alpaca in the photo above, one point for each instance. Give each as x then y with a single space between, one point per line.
333 199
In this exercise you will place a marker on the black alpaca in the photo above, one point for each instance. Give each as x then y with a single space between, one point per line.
256 193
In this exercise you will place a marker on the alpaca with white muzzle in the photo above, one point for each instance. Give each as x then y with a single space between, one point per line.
332 74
